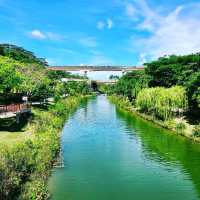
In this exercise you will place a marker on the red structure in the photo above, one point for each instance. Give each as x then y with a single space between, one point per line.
15 108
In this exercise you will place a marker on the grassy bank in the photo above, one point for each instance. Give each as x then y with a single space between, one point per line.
177 125
25 162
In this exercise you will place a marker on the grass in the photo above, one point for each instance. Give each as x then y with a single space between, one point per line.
11 133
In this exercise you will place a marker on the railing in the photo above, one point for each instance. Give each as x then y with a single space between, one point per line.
14 108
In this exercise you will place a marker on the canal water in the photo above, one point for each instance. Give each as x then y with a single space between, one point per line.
111 155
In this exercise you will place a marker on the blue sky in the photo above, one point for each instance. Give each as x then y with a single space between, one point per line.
94 32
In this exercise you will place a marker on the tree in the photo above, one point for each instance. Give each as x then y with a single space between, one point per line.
193 89
163 103
10 79
20 54
29 79
177 70
172 70
130 84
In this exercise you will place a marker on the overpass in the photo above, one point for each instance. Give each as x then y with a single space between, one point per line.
95 68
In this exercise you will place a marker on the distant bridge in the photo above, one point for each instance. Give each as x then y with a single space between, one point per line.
95 68
89 81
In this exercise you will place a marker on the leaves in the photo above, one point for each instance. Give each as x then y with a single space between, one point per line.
161 102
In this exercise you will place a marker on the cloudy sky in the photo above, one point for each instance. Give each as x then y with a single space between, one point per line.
94 32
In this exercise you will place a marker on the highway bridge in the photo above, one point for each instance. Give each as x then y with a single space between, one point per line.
95 68
97 73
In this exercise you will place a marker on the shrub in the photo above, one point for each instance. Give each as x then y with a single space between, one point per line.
196 131
122 102
163 103
180 127
170 124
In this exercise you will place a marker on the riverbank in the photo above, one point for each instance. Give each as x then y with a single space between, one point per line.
25 164
177 125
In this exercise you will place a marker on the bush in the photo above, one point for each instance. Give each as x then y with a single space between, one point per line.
122 102
163 103
196 131
36 190
170 124
180 127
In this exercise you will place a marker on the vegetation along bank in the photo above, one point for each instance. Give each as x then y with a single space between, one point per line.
28 150
167 92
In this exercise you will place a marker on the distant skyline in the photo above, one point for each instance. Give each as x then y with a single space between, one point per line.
107 32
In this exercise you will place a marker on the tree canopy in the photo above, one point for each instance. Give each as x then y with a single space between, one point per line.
20 54
130 84
166 72
177 70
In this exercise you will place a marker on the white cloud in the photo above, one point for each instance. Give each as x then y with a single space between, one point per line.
37 34
100 25
142 59
131 10
109 23
177 32
54 36
88 41
105 24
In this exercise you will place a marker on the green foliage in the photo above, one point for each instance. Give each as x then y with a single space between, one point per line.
196 131
29 79
171 70
24 167
170 124
106 88
193 89
10 78
58 75
180 127
121 102
161 102
38 192
130 84
197 96
75 88
71 88
177 70
20 54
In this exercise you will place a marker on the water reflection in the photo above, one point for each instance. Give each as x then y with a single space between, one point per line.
165 147
109 154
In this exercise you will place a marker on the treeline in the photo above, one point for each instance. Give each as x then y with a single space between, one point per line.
23 73
165 72
20 54
168 88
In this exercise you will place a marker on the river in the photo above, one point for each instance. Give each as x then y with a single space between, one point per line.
112 155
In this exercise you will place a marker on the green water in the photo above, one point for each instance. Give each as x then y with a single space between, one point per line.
111 155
